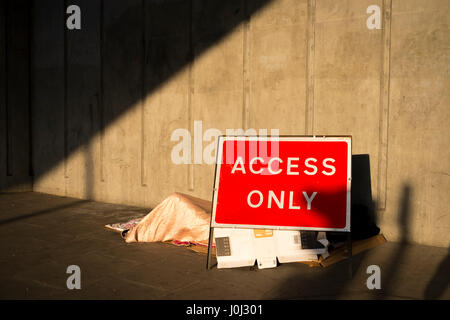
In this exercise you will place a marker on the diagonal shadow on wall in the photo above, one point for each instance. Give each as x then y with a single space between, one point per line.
440 280
81 81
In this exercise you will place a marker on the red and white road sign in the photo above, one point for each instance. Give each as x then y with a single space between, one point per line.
298 183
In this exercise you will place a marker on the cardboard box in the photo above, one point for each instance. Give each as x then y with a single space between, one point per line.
326 259
242 247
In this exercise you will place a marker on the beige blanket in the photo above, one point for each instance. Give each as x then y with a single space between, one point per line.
179 217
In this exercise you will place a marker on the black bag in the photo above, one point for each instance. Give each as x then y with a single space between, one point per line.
362 225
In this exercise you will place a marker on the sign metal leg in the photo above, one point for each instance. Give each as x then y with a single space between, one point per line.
208 259
349 252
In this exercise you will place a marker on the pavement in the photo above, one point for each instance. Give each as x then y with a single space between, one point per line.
41 235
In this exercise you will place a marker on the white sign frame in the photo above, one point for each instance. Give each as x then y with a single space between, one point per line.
221 139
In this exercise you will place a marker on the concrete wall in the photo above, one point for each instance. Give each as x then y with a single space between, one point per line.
15 110
106 98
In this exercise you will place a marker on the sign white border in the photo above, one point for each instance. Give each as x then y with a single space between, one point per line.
221 139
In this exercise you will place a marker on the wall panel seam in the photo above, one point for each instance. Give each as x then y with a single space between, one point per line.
65 99
245 67
384 106
190 168
102 92
8 144
30 88
142 104
310 51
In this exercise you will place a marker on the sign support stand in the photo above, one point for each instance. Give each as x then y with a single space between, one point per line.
349 253
208 259
254 225
211 229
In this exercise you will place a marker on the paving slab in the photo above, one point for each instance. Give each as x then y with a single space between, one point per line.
41 235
